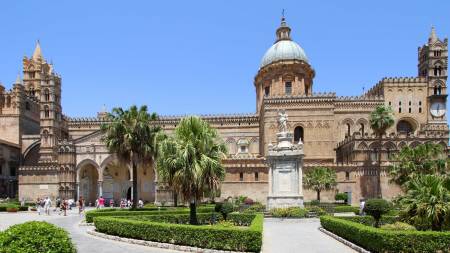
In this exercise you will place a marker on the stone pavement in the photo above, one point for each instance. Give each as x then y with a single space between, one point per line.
85 243
280 236
298 235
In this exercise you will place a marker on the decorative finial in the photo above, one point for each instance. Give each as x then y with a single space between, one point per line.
282 15
433 37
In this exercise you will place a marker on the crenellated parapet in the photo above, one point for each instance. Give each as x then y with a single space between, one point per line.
377 89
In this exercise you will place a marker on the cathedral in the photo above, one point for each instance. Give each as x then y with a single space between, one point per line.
44 152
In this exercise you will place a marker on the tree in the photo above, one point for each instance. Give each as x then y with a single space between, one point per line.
319 179
427 199
421 160
130 134
194 155
167 164
376 208
380 120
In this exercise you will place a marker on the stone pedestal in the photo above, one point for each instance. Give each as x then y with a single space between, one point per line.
285 173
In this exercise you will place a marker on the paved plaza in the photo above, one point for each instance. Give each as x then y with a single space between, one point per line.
288 235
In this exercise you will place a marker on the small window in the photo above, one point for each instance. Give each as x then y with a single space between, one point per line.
420 103
267 91
46 112
256 176
399 110
390 103
409 109
347 175
288 88
420 109
243 149
409 103
241 176
12 171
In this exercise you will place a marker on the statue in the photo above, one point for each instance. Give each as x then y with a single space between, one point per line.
282 121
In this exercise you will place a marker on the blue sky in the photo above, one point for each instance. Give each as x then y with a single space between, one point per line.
189 57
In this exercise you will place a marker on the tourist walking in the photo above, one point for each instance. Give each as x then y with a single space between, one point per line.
101 202
111 203
141 203
58 204
80 205
38 206
47 205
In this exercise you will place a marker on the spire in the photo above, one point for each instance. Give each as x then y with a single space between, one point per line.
37 51
433 37
18 79
284 31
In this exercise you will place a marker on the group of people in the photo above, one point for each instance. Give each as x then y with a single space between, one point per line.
124 203
61 205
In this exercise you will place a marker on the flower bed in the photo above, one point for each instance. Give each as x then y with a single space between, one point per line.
35 236
159 228
379 240
137 212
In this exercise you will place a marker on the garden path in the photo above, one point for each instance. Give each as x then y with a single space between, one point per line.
298 235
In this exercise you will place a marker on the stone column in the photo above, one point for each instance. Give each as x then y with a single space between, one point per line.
131 181
78 191
100 188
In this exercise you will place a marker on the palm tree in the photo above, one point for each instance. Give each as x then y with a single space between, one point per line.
167 164
320 179
380 120
428 198
424 159
193 160
130 134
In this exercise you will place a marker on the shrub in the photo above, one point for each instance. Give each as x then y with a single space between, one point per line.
346 209
255 208
227 207
369 221
340 196
293 212
376 208
218 207
150 205
380 240
35 236
225 224
211 237
248 201
315 202
124 212
319 211
398 226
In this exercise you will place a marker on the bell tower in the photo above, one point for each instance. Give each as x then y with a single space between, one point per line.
433 65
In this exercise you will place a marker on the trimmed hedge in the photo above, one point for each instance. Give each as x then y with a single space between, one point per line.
346 209
289 212
137 212
35 236
380 240
210 237
369 220
5 207
237 219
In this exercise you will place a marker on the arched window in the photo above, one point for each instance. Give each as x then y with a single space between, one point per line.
298 134
267 91
439 90
46 95
46 112
435 70
439 71
348 130
404 126
362 129
288 88
45 134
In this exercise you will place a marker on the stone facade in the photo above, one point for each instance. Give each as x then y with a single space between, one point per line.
63 156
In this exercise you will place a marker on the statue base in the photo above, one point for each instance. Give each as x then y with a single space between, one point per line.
284 202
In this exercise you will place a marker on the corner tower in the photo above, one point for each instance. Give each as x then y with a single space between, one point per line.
433 65
284 69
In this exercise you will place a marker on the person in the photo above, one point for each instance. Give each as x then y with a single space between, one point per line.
80 205
58 204
128 203
96 204
101 202
141 203
64 206
362 203
22 202
47 205
111 203
38 206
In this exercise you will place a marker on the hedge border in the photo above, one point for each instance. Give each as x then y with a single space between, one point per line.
378 240
90 215
232 239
